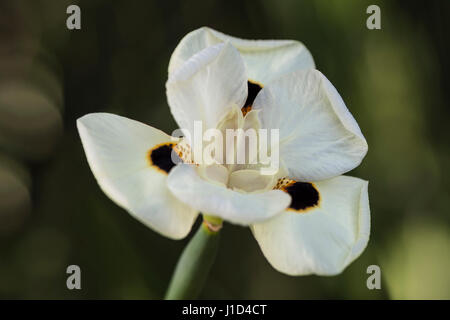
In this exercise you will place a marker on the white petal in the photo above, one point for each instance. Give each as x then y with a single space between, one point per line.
250 180
216 200
214 173
319 138
117 151
324 239
207 86
265 59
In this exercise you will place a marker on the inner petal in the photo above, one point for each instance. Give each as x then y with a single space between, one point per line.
250 181
233 120
215 173
244 135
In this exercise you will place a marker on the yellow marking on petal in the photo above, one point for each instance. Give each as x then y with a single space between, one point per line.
246 110
256 82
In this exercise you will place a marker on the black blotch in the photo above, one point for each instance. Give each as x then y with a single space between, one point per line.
162 157
253 90
304 195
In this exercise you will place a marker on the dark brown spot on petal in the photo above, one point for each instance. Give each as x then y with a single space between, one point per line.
304 195
253 90
162 157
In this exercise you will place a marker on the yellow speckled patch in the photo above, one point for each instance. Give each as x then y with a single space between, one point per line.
184 152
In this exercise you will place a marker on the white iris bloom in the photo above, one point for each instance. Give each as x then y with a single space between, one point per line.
307 218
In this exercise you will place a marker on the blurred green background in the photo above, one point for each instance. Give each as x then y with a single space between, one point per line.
395 81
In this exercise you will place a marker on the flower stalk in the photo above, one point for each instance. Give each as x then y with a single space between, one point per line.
196 261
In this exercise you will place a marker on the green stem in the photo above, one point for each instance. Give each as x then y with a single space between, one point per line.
195 263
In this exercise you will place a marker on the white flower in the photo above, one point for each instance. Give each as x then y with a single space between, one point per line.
307 218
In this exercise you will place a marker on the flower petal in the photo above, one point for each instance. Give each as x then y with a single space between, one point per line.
207 86
249 180
319 138
127 159
324 239
265 59
214 173
216 200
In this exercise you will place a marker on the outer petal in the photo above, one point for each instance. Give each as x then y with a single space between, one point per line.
323 240
319 138
265 59
207 86
116 149
213 199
